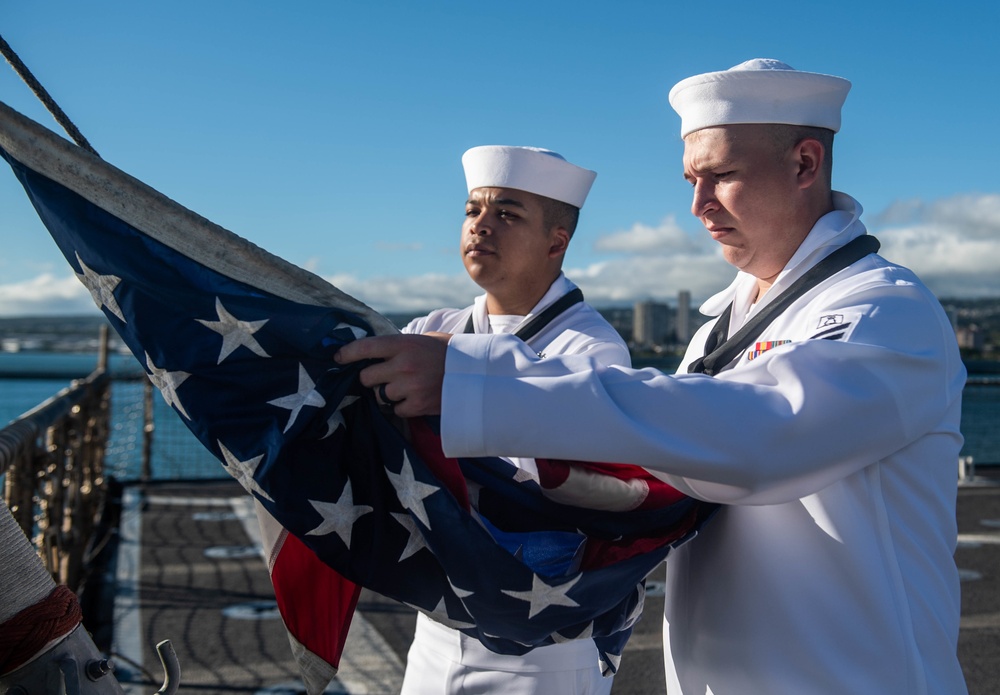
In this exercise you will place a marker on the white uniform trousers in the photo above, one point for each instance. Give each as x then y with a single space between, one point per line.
442 661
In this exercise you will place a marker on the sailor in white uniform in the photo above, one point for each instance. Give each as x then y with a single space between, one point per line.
521 212
832 435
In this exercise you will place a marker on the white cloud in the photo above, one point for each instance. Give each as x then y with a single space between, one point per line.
667 238
46 295
953 244
417 293
312 264
625 280
653 263
977 215
614 282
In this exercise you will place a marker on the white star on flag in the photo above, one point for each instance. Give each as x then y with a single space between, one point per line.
473 489
440 610
636 613
441 615
306 395
461 593
336 420
543 595
523 476
339 517
167 382
101 288
243 471
415 542
234 332
411 492
615 662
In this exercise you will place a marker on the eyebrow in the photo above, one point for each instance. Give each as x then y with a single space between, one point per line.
506 202
708 165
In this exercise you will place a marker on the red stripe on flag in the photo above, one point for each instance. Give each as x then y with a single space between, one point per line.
446 470
316 603
553 472
601 553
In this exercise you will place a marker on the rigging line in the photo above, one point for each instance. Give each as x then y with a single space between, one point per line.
61 118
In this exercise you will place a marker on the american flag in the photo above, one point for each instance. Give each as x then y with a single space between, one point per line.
240 344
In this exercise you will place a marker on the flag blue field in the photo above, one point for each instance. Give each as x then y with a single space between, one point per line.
240 344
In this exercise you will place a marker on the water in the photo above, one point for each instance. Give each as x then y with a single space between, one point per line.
981 423
176 454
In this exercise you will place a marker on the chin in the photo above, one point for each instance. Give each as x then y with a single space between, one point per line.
737 260
478 276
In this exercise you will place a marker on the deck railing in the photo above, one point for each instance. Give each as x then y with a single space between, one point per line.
52 460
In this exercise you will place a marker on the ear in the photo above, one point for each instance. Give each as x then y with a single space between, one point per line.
809 157
559 239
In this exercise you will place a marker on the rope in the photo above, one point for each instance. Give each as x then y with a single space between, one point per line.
61 118
27 633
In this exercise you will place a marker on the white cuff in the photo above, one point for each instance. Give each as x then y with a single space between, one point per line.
462 402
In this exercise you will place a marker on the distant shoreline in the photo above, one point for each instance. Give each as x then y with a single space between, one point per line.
77 364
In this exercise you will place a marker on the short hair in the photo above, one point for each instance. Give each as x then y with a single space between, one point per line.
785 137
556 213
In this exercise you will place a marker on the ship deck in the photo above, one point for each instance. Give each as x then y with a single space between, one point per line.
188 568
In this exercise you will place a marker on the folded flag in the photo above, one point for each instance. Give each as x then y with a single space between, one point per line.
240 344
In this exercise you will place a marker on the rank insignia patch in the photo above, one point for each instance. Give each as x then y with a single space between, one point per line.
764 346
837 326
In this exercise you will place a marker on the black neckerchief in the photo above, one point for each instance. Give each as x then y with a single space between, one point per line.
719 352
543 319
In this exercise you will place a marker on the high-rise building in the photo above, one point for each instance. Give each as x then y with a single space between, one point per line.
650 323
682 329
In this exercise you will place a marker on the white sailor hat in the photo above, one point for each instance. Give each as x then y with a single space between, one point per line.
530 169
761 90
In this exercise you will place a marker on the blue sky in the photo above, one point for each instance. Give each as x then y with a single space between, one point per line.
331 133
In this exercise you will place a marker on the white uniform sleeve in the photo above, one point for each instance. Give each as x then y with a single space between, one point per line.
603 345
607 353
780 428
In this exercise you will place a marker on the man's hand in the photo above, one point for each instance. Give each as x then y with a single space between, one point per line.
411 372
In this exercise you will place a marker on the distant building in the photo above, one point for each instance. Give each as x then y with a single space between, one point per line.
650 323
620 319
682 330
970 338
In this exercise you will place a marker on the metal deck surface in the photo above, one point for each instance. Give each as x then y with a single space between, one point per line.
189 570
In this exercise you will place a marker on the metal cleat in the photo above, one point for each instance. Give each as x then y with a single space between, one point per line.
171 668
74 666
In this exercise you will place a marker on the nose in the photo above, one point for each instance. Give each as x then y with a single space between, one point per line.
703 198
478 225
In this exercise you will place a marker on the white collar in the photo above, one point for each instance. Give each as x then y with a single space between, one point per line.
560 286
831 231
